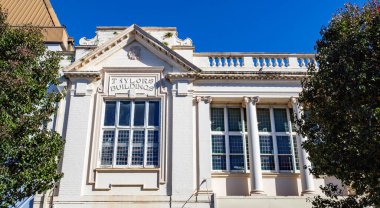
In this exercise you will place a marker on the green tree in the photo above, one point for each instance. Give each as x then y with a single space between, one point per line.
28 150
343 99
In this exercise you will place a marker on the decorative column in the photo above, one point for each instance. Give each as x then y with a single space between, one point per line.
254 146
307 179
204 145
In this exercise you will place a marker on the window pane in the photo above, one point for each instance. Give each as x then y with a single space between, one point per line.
154 109
125 113
218 144
234 119
296 152
107 147
138 148
122 148
280 119
236 162
139 113
266 145
109 118
236 144
285 162
218 162
152 148
263 119
217 119
283 145
267 162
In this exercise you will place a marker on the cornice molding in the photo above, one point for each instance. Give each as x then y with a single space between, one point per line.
237 76
82 74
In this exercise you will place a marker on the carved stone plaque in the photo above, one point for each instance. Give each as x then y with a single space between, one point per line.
132 85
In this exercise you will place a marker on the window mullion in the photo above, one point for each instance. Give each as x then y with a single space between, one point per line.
116 134
130 148
146 132
226 140
244 140
274 139
291 140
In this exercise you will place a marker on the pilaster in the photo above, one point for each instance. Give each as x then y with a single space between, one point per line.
204 144
80 101
183 142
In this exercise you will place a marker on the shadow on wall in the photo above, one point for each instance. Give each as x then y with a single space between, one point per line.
286 187
237 187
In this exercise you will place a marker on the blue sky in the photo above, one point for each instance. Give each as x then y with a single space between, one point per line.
213 25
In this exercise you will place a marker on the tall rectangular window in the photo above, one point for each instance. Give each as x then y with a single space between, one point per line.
228 139
277 146
130 136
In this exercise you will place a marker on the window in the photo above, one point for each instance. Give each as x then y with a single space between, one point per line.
228 139
277 147
130 134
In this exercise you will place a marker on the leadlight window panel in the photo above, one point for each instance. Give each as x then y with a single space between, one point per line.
217 119
125 113
218 144
152 148
138 147
283 145
122 148
296 153
267 162
285 162
280 120
154 109
263 119
110 112
236 144
219 162
139 115
107 147
234 119
236 162
266 144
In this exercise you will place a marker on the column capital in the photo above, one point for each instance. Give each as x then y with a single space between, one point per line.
254 100
206 99
294 100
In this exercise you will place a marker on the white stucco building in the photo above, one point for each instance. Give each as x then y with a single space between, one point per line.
148 122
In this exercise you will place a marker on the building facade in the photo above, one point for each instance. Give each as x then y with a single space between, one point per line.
148 122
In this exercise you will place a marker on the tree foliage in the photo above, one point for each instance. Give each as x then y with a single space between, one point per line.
343 96
28 150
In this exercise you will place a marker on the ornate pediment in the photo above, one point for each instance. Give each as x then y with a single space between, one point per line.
133 32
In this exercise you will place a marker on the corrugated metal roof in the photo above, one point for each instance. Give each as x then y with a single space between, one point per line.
35 12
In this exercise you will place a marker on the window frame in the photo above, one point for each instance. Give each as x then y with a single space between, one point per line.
130 128
274 134
226 133
244 134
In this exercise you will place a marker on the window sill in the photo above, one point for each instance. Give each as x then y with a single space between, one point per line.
247 174
121 169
